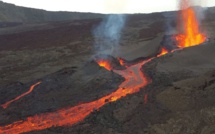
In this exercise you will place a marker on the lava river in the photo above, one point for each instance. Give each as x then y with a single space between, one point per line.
134 80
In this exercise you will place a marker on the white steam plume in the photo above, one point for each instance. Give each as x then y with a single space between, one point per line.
107 35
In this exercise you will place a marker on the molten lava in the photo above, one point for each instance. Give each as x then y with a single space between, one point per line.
134 80
163 52
121 61
5 105
105 63
145 98
191 34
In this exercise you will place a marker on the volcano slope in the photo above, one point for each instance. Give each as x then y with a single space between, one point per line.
179 99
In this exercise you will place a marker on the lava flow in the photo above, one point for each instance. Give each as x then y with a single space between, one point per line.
189 23
134 80
5 105
121 61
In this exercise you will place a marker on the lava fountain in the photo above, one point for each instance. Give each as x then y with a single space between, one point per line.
189 23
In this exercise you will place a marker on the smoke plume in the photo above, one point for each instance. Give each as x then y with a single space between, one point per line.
170 21
107 35
172 17
199 7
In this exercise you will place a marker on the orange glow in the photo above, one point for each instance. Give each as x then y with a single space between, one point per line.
163 52
191 34
105 63
121 61
5 105
145 98
73 115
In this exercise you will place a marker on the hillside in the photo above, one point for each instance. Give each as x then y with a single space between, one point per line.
13 13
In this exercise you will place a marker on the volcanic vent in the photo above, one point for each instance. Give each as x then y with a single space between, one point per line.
189 33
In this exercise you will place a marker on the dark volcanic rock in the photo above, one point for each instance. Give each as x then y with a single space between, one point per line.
65 88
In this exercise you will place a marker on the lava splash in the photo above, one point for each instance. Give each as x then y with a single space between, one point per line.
163 52
190 27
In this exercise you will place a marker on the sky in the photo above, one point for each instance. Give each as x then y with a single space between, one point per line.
107 6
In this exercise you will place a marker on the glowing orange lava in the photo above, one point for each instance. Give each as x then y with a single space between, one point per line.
121 61
145 98
191 34
163 52
105 63
73 115
5 105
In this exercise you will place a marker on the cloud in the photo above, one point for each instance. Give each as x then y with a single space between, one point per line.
116 6
107 6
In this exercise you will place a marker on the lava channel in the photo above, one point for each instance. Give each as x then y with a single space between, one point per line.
134 80
5 105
